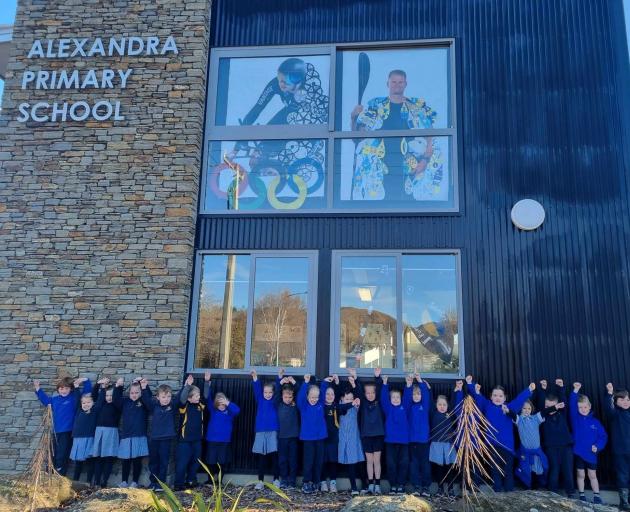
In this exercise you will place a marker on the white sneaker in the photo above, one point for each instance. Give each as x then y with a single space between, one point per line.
259 486
133 485
123 485
370 489
276 482
377 489
323 486
333 486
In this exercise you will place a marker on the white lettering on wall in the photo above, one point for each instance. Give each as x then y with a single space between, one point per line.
85 78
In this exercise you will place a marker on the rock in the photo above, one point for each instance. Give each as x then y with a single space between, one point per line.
15 494
387 504
115 500
541 501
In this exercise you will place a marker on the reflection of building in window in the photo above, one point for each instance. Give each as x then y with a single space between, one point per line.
368 339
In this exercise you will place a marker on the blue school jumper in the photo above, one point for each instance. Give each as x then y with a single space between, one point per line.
396 436
312 432
63 411
219 433
419 436
587 432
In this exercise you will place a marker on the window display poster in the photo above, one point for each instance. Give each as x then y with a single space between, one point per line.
393 89
273 91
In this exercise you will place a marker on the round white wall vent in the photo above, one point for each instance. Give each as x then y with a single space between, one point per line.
528 214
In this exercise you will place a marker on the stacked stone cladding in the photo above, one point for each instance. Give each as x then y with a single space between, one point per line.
97 219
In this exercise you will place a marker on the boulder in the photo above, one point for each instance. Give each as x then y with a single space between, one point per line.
387 504
53 491
532 501
114 500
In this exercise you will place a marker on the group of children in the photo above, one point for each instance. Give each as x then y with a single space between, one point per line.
339 424
552 441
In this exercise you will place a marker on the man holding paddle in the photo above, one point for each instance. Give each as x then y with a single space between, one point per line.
385 168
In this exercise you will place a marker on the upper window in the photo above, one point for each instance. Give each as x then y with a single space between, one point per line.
332 128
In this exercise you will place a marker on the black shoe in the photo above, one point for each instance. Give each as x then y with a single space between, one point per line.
178 488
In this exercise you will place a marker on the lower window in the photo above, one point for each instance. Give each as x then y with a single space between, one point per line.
397 310
254 310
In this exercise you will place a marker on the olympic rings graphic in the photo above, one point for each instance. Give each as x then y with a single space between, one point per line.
258 187
215 173
310 171
270 167
293 205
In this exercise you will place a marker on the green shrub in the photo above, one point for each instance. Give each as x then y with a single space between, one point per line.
170 503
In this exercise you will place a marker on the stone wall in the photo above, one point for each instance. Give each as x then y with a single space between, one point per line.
97 219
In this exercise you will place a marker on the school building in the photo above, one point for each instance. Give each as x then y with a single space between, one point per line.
189 185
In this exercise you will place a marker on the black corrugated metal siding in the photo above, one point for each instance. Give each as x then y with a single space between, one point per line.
544 112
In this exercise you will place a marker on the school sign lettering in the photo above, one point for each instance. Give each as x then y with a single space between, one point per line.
85 79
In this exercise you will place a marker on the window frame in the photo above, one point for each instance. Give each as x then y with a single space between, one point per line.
335 312
214 133
311 318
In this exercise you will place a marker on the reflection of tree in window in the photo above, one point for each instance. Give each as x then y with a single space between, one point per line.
209 342
279 337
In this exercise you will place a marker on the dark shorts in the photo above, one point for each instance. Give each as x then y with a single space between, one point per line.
580 463
218 453
372 444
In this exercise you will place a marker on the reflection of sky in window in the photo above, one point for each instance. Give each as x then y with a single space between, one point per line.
377 273
429 287
214 275
277 274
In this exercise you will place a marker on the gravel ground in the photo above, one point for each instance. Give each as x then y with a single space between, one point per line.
300 502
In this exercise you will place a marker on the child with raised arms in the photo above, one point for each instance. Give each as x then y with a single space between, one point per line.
133 444
288 430
590 439
83 437
497 413
532 463
164 411
396 406
442 453
331 444
312 431
419 435
557 440
190 433
350 449
64 406
266 439
106 438
371 427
